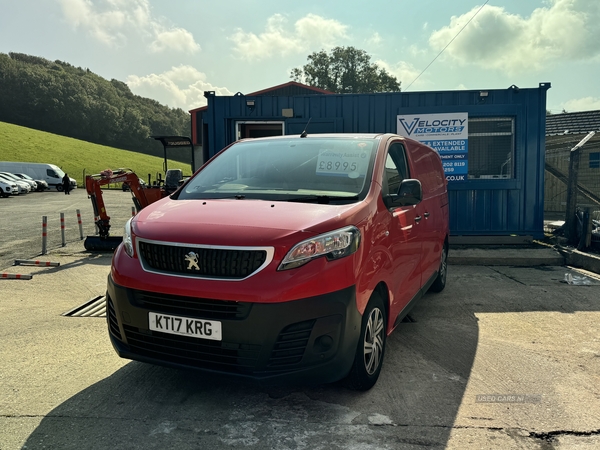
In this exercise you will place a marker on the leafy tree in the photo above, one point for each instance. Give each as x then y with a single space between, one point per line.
57 97
345 70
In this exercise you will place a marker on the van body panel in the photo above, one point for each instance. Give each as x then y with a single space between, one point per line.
434 215
254 221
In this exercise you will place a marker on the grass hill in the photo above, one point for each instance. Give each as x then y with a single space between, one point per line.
76 157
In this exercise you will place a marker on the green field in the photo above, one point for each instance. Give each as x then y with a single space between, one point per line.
75 157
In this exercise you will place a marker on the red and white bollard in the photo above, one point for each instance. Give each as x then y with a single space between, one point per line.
62 228
44 233
15 276
80 224
31 262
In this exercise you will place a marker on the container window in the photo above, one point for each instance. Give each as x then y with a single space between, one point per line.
595 160
491 148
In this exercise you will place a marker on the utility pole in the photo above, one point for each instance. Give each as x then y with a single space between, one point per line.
570 218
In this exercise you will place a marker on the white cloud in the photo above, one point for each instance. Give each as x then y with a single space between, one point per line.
77 12
113 21
582 104
566 30
279 40
181 87
318 30
175 39
403 71
375 39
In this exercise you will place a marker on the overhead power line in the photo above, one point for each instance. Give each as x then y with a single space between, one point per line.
447 45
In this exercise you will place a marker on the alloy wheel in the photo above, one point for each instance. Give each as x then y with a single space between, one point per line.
373 343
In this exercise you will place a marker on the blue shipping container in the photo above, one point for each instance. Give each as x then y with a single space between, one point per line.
491 142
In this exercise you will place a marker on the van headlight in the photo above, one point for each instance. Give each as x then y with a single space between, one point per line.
333 245
127 239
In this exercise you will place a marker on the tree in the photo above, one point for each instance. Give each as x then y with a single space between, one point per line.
67 100
345 70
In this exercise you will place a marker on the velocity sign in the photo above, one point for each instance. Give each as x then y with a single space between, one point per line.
448 134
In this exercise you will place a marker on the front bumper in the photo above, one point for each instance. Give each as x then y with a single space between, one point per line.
312 339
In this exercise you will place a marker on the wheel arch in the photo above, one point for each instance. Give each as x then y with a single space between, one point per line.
384 293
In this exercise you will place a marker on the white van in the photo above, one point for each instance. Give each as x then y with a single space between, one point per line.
39 171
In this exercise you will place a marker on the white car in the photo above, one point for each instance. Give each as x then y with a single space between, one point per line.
52 174
7 188
32 184
42 185
24 188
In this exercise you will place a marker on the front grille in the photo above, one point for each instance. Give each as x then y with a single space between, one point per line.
111 317
291 344
201 262
192 306
215 355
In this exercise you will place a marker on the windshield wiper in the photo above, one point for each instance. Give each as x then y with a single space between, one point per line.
225 197
321 199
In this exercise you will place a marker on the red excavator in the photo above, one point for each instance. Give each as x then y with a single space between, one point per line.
142 193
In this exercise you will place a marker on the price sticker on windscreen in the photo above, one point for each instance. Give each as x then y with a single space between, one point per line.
349 162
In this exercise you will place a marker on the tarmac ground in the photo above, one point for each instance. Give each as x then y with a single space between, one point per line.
507 356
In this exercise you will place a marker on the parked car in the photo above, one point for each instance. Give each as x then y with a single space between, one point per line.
32 184
7 188
24 187
284 258
42 185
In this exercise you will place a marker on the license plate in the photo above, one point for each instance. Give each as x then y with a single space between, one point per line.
185 326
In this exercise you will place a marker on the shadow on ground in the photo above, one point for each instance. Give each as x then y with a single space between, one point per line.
415 403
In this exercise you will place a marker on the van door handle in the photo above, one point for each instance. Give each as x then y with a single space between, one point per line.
418 219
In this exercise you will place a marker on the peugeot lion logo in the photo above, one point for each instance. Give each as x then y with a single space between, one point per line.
192 260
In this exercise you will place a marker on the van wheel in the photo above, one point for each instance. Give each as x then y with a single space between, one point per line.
371 347
440 282
59 188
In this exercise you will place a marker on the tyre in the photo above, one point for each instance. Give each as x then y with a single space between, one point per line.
371 346
440 282
59 187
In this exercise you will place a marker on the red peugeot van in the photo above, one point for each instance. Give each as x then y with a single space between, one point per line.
284 258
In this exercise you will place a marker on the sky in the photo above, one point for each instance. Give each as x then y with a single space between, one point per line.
174 50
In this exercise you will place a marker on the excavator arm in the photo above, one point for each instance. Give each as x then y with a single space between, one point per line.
142 197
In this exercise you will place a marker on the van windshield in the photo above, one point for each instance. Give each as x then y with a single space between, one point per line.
58 171
295 169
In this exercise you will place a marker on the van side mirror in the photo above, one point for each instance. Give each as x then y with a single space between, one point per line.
409 193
